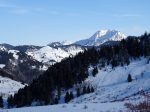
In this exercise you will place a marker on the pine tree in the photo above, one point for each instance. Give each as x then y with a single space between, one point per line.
56 101
84 90
129 78
88 90
78 92
71 96
10 101
1 102
95 71
58 92
67 97
92 89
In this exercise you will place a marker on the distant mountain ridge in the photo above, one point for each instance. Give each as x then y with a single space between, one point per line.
26 62
101 37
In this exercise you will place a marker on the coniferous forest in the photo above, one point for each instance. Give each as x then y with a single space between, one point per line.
46 89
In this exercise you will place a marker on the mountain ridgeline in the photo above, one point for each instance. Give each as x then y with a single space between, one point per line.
74 70
26 62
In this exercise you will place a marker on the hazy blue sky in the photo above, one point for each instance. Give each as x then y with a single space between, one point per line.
40 22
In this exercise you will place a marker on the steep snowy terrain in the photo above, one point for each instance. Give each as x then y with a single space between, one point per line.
9 87
101 37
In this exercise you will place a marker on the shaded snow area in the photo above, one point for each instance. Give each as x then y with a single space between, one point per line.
9 87
89 107
49 55
14 52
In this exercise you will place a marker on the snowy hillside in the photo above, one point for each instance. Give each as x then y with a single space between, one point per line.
112 90
26 62
50 55
8 86
58 44
65 42
101 37
111 84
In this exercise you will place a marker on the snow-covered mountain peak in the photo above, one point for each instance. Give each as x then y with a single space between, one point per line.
54 44
58 44
99 33
5 47
66 42
51 54
101 37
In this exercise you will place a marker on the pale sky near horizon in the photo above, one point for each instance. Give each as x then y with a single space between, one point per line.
40 22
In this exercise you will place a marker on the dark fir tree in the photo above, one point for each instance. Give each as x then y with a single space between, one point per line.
129 78
58 92
84 90
71 96
88 90
92 89
95 71
56 100
10 101
1 102
67 97
78 92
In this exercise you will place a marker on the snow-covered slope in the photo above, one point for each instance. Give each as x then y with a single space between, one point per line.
65 42
111 84
58 44
9 87
112 90
101 37
89 107
50 55
22 61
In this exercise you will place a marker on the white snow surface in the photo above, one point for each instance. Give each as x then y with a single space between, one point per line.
2 48
49 55
66 42
89 107
101 37
9 86
2 65
112 90
14 52
111 84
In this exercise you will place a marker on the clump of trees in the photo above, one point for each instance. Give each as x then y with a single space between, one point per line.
84 90
79 91
69 96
